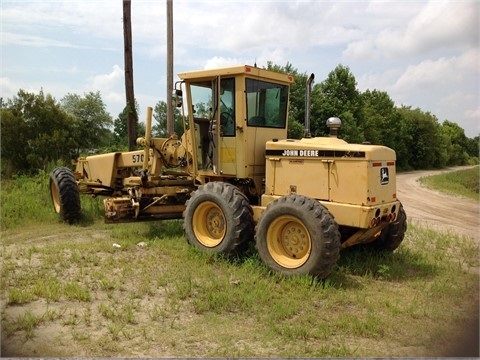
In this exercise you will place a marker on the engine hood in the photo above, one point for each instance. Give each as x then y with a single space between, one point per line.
327 147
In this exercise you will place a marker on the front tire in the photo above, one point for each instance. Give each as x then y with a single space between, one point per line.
296 235
218 218
65 194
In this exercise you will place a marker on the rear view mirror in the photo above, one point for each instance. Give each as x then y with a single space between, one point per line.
177 98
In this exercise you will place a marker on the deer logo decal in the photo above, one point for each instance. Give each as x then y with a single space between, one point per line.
384 176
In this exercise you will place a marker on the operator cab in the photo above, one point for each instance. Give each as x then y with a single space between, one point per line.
230 114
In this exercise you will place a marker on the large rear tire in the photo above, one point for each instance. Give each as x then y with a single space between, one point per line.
65 194
218 218
296 235
392 236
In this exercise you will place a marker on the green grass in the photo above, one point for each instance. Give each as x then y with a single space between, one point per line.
169 300
26 201
170 293
461 183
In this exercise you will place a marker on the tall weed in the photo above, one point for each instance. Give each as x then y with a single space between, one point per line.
25 200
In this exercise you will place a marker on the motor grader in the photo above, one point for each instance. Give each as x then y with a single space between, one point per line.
235 177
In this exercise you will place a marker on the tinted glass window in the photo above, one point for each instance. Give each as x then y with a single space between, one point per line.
266 104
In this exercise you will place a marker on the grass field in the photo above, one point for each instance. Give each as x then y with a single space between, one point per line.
139 290
461 183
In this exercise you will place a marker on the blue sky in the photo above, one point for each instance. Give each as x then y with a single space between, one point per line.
422 53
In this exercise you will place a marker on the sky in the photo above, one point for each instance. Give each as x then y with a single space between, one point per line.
424 54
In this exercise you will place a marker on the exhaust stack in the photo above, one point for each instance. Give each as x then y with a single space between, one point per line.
308 102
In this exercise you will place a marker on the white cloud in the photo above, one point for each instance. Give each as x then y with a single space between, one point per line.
450 72
440 24
427 73
63 19
393 31
107 81
111 88
361 50
8 87
382 81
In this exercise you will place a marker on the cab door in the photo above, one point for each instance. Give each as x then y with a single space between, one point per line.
227 129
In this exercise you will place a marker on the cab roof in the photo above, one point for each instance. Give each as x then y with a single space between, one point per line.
247 70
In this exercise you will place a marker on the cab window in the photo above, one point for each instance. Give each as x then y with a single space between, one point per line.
227 107
266 104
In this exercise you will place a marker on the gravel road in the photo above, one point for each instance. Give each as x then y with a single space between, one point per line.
437 210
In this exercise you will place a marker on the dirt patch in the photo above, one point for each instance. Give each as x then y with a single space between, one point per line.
437 210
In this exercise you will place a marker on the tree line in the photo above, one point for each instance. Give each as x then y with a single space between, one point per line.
419 139
37 130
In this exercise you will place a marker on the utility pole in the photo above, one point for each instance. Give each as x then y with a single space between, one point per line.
128 59
170 125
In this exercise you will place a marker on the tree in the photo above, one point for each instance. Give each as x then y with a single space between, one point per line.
338 96
428 147
120 130
472 148
47 133
160 116
457 143
91 120
13 154
382 124
379 115
295 129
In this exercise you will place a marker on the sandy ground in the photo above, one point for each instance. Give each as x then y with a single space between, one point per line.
437 210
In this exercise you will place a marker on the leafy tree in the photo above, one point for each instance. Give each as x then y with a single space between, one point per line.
380 114
428 147
120 129
47 133
295 129
91 120
338 96
383 126
13 153
472 147
456 142
160 116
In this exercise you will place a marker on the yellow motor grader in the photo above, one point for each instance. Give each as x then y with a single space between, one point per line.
234 177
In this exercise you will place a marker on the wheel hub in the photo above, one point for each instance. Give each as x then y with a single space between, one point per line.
289 241
209 224
215 223
294 240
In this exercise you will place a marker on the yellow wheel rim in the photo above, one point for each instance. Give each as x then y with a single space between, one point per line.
289 242
209 224
55 197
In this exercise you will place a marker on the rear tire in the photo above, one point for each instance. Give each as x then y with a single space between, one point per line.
65 194
218 218
392 236
296 235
